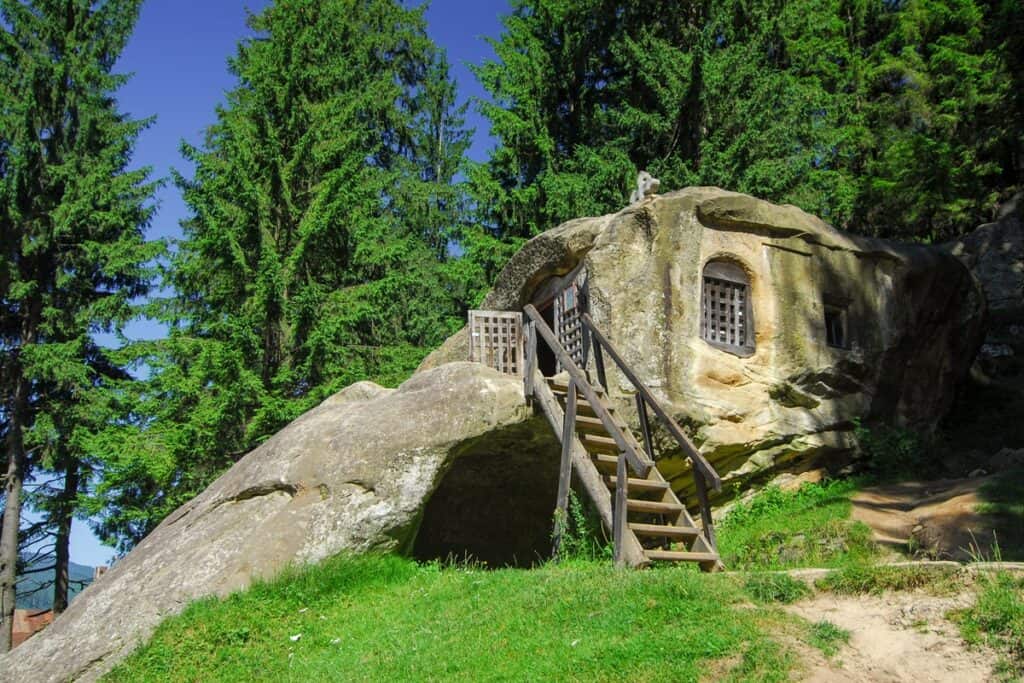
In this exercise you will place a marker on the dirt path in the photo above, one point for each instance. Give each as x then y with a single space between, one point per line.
894 638
937 519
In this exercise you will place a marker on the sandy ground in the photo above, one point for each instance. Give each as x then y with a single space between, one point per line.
895 637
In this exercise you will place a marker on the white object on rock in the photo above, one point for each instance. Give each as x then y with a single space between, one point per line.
646 185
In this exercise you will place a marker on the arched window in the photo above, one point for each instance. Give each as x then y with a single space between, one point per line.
727 321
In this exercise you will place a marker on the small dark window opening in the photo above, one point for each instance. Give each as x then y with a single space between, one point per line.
835 326
726 312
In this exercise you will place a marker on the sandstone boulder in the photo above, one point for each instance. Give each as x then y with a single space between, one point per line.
355 474
844 327
995 252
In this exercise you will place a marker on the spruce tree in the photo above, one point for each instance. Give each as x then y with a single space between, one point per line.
323 211
896 119
72 219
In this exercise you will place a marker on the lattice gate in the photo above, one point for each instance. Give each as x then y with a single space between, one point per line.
496 340
570 304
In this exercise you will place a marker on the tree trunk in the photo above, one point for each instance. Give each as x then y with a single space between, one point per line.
9 533
65 514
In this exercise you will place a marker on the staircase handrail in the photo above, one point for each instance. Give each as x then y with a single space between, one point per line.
699 461
638 462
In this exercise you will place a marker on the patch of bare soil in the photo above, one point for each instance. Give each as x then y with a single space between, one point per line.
894 638
937 519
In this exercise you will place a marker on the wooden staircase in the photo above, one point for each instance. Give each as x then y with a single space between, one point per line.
657 519
648 522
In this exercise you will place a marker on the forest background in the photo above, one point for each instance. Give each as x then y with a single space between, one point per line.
336 227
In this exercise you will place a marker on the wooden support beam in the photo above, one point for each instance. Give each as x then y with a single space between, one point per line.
619 518
565 468
705 508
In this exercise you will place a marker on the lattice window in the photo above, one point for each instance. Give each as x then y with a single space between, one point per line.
570 304
726 318
496 340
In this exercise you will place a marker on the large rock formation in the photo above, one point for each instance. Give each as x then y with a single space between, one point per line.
453 461
354 474
906 322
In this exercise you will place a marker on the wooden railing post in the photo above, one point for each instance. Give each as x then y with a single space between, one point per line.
530 360
705 507
645 424
619 516
565 468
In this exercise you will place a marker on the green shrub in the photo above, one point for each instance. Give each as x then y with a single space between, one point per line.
894 453
582 535
775 587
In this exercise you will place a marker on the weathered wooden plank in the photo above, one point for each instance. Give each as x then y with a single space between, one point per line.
705 508
621 495
681 556
565 468
530 362
667 531
653 506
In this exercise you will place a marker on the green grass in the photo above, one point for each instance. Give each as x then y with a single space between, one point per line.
809 527
1004 503
997 618
386 618
827 637
771 587
859 578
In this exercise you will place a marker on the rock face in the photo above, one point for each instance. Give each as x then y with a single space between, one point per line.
995 253
842 326
354 474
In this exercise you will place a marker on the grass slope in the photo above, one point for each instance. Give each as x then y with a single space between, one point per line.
809 527
386 618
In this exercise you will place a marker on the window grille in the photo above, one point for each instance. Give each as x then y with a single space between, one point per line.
496 340
725 308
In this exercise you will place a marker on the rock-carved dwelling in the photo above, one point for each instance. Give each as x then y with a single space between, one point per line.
760 330
750 335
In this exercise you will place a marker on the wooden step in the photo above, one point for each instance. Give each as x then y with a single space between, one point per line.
589 423
561 386
584 408
665 531
608 462
680 556
654 506
635 484
599 444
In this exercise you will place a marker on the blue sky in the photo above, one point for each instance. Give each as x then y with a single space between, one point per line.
178 58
